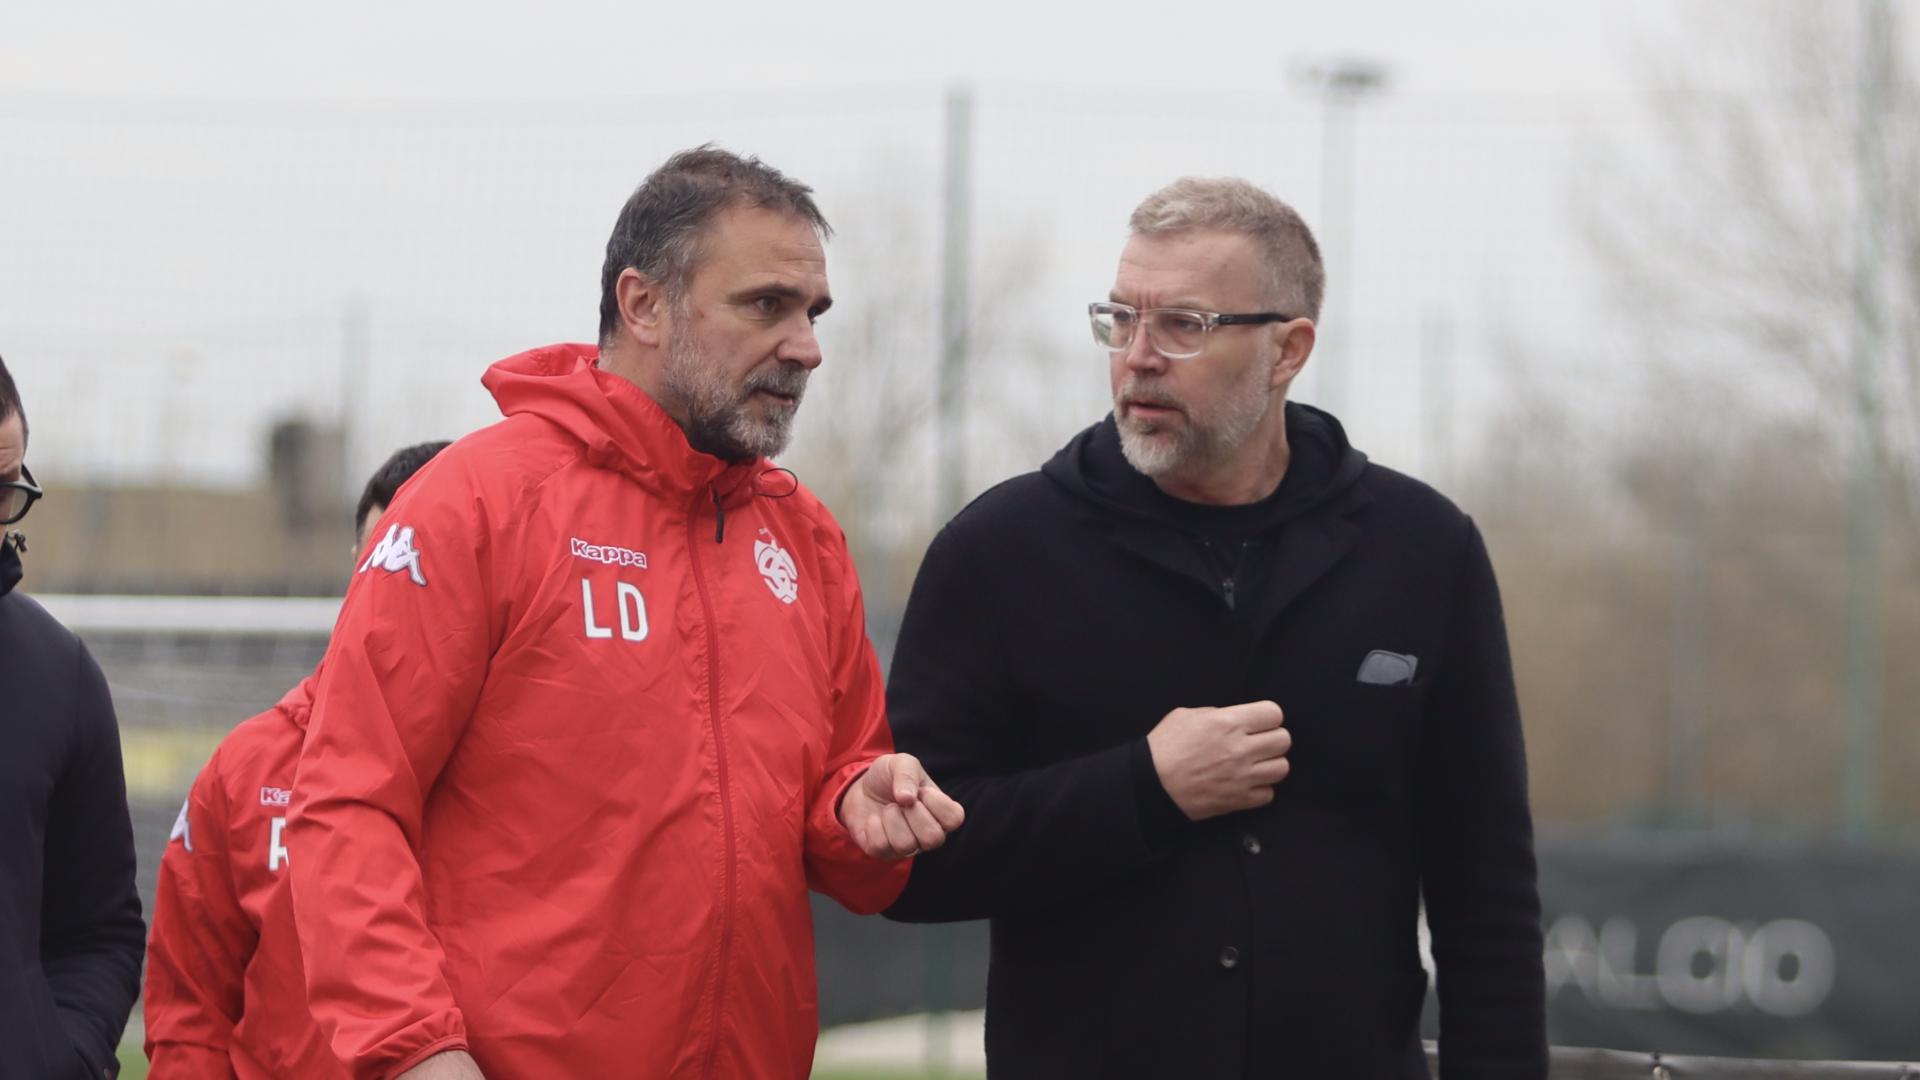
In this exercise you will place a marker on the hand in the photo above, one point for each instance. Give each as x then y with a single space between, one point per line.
894 810
1216 761
450 1065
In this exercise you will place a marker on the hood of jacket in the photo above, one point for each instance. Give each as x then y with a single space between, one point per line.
11 568
296 707
1324 466
621 427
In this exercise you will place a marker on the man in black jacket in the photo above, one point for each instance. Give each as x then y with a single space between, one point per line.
1181 890
69 915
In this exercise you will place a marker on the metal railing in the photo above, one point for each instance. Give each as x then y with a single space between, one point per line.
1584 1063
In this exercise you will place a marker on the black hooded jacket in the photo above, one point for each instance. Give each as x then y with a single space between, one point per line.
69 914
1058 618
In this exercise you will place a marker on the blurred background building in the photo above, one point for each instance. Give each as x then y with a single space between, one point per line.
1658 329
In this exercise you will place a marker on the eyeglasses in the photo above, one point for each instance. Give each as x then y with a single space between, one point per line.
1175 333
18 496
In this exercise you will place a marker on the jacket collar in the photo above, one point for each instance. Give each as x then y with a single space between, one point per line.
650 445
622 428
1309 533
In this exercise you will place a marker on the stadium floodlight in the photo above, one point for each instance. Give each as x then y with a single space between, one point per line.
1352 76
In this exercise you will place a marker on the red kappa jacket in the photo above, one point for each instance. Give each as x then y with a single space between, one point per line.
225 996
578 746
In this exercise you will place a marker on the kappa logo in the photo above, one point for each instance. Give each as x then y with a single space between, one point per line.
607 554
276 796
182 827
776 566
395 552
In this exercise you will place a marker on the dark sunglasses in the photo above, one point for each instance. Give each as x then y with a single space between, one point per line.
18 496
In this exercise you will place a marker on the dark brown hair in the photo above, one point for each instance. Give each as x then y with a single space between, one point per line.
659 229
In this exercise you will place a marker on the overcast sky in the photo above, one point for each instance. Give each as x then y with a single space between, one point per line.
193 195
434 48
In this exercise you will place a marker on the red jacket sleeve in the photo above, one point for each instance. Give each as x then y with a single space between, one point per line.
397 687
835 864
201 944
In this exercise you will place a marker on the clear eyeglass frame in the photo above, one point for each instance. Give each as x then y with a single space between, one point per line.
1175 333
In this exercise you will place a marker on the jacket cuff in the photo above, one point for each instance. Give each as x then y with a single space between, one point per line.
92 1057
1161 819
173 1058
85 1065
435 1033
442 1045
835 864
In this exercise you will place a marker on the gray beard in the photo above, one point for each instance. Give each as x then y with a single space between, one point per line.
1201 442
1152 456
720 420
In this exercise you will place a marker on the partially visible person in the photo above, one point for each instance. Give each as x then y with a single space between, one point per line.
69 913
226 994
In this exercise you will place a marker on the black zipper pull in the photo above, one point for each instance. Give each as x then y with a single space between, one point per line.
719 515
1226 589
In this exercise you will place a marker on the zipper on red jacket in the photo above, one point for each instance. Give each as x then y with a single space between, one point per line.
720 759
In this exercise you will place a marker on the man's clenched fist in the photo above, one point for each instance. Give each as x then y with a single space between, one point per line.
894 810
1216 761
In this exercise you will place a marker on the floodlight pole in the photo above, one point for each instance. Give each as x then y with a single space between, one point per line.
1341 82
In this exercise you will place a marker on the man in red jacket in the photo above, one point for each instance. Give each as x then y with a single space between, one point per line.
225 995
600 706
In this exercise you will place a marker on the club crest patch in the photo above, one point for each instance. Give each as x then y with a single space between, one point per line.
776 566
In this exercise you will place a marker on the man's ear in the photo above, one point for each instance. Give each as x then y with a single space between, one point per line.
1295 340
643 307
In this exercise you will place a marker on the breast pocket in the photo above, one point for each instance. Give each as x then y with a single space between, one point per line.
1360 742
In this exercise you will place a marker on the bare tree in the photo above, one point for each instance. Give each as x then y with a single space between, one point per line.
1766 241
1673 590
867 447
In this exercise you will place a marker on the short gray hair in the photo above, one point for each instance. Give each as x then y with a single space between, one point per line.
660 228
1229 204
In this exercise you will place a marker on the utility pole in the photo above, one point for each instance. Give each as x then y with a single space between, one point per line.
956 254
938 942
356 352
1861 697
1436 396
1686 805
